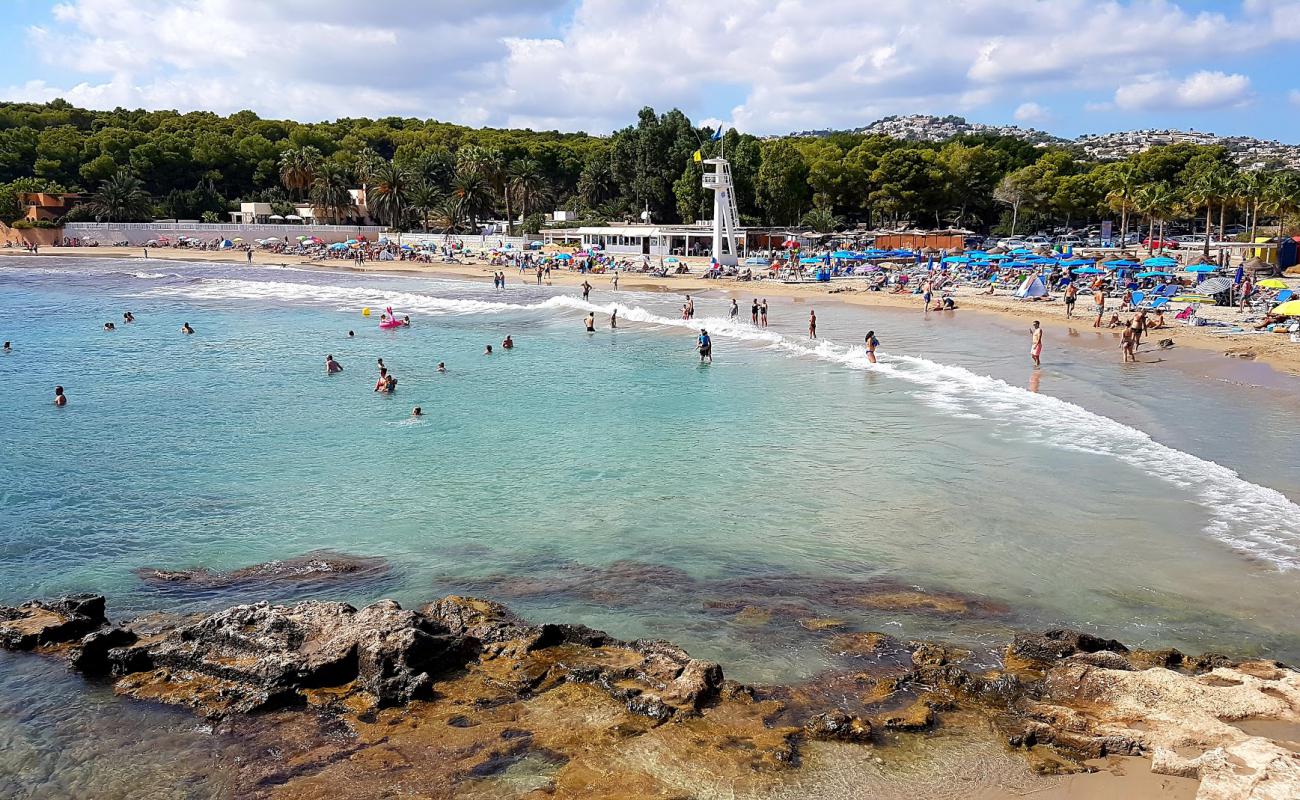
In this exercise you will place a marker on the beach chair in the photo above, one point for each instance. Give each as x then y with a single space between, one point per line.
1187 315
1294 330
1138 297
1283 296
1158 297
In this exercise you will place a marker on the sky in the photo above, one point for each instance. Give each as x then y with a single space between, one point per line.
763 66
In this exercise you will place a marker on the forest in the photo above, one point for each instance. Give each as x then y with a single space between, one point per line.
430 175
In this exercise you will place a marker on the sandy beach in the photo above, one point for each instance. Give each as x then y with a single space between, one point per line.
1274 349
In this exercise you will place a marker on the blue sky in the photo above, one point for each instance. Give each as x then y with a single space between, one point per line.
1065 66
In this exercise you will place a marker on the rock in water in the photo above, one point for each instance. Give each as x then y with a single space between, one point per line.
320 566
41 623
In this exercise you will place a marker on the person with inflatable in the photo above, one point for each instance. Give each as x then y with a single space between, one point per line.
389 320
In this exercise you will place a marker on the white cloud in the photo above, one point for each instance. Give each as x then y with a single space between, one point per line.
1032 112
591 64
1200 90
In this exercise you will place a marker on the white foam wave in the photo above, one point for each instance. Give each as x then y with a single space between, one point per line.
1250 518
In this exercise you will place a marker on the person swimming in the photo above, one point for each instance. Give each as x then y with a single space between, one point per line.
507 343
417 412
9 348
872 344
406 321
60 399
108 326
487 351
186 329
351 334
390 384
442 367
381 365
332 366
128 317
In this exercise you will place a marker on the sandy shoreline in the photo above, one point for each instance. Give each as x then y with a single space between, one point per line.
1276 350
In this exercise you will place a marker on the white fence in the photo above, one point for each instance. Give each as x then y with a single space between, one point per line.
137 233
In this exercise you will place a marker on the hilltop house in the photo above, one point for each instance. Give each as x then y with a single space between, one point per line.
47 206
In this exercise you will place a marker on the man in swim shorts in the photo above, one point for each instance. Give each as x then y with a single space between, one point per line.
1036 343
705 346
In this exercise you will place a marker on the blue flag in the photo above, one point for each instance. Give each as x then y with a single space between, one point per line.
717 134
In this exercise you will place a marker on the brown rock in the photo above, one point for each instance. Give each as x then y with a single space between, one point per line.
838 726
49 622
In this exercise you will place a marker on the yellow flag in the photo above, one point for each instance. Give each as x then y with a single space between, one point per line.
697 156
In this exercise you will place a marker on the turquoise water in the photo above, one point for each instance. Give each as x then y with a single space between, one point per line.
610 479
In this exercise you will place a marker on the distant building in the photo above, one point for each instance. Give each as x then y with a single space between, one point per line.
661 240
47 206
262 213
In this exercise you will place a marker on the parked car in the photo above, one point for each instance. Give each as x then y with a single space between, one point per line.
1156 243
1038 241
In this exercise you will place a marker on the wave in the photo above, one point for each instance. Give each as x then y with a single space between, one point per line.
1252 519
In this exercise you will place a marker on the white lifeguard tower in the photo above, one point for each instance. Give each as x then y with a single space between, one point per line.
726 219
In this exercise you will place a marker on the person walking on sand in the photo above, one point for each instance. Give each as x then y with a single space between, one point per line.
1071 295
762 313
872 344
927 291
616 281
812 324
1036 343
1128 343
705 345
1099 299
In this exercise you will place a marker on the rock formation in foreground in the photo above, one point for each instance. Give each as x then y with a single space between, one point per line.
363 702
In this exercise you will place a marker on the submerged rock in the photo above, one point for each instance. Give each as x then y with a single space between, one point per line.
320 566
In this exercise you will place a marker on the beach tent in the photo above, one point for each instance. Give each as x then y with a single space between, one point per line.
1033 287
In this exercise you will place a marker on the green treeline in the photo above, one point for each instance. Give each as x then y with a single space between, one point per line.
424 174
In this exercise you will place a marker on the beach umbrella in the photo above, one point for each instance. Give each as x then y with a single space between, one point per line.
810 261
1272 283
1154 274
1120 264
1159 261
1192 298
843 254
1202 268
567 257
1087 271
1076 262
1214 286
956 260
1290 308
338 246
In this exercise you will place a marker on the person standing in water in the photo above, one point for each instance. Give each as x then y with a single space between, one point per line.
735 309
508 343
127 316
762 313
613 318
1036 343
872 343
186 329
442 367
705 345
9 348
332 366
381 385
586 290
417 412
927 291
690 307
60 399
591 322
753 311
812 324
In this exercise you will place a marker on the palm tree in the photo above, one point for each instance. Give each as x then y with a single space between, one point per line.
1122 184
1205 190
1250 187
1154 201
821 220
472 193
424 198
298 167
1281 197
387 196
1163 202
331 198
446 215
490 164
526 181
121 198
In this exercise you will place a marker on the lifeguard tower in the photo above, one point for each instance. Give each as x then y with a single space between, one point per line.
726 219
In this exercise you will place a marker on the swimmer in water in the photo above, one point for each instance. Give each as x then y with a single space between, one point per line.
351 334
442 367
128 317
591 322
406 321
381 365
390 385
332 366
381 385
417 412
705 345
108 326
9 348
487 351
507 343
186 329
60 399
872 344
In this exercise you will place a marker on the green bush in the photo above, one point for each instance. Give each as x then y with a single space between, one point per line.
27 224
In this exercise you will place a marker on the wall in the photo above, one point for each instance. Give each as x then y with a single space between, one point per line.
41 236
137 233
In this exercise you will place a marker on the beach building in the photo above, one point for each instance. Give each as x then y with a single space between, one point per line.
662 240
47 206
263 214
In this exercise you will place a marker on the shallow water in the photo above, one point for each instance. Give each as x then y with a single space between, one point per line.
612 480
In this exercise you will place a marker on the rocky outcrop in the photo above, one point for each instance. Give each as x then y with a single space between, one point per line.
490 688
44 623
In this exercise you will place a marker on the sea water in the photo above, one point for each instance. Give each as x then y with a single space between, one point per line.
612 479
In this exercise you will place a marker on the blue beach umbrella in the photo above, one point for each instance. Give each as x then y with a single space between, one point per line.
1154 274
563 257
1076 262
810 261
1159 261
1087 271
1120 264
843 254
956 260
1202 268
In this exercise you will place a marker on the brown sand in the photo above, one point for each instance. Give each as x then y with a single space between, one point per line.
1276 350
